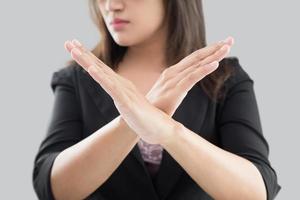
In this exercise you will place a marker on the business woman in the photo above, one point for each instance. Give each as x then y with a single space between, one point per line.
153 113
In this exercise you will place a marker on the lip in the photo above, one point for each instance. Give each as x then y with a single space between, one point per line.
118 24
118 20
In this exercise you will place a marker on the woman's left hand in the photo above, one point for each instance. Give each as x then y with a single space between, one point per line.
151 124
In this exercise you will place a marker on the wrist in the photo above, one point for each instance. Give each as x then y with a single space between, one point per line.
126 129
173 135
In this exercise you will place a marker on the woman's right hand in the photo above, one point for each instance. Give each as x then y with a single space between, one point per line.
175 81
173 84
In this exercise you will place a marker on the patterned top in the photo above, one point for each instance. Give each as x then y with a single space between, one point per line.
152 155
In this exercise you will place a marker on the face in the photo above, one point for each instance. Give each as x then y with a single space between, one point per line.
143 19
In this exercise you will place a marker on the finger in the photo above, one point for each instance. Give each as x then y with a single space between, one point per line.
108 79
96 60
68 45
120 93
101 64
189 81
81 58
98 75
198 55
85 58
219 55
78 53
80 46
104 80
211 49
229 41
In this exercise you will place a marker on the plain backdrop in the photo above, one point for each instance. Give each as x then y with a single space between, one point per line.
31 48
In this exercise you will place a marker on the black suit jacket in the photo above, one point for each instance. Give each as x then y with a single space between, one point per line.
81 106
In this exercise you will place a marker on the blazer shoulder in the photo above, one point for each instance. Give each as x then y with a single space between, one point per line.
65 75
239 73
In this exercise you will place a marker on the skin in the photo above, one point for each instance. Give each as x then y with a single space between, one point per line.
144 115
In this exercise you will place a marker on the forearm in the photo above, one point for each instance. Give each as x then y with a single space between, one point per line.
82 168
220 173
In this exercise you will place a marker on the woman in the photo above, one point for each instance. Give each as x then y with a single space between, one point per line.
153 113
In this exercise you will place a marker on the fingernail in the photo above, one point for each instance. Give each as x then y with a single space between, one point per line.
227 40
76 42
69 45
76 52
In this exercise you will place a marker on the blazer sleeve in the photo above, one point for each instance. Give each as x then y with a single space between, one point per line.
240 130
64 130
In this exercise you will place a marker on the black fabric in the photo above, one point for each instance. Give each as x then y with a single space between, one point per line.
81 106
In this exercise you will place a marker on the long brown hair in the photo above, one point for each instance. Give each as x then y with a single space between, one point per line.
186 33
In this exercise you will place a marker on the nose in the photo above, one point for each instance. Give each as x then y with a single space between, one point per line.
114 5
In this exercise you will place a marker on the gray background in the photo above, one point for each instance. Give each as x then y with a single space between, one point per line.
31 49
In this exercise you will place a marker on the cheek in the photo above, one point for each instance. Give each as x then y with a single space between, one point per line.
146 26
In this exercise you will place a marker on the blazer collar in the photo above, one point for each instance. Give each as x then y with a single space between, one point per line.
190 113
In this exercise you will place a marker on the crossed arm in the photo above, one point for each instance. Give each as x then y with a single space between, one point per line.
224 175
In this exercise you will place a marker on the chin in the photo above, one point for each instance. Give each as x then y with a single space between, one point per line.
123 41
